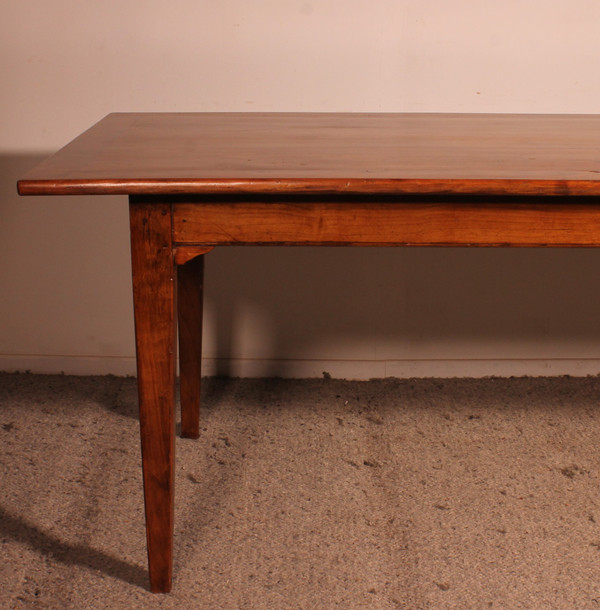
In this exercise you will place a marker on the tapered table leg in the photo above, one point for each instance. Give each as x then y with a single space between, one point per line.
189 302
154 292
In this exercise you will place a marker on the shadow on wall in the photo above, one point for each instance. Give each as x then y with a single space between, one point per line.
373 304
65 271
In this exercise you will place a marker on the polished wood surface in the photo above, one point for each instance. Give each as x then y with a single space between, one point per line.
327 153
190 285
556 221
153 273
196 181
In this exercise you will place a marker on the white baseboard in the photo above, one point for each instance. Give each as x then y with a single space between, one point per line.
299 369
360 370
69 365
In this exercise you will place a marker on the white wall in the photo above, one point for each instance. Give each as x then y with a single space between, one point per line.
65 301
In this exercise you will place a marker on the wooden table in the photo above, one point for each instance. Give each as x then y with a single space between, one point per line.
196 181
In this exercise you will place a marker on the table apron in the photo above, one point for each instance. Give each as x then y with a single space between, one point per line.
554 223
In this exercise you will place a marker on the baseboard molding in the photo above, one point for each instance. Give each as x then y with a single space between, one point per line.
68 365
341 369
355 369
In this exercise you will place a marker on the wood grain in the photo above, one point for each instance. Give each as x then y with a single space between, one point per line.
184 254
200 153
528 222
200 180
154 306
190 283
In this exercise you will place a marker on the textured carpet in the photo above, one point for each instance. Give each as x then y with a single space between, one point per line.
308 494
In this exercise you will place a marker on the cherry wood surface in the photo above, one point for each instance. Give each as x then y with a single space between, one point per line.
154 299
556 221
190 285
141 153
196 181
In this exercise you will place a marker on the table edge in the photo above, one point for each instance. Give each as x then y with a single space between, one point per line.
307 186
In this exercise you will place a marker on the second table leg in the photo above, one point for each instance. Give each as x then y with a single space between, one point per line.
190 278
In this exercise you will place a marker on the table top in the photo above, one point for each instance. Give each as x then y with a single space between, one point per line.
328 153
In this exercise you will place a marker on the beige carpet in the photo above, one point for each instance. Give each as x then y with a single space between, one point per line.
309 495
